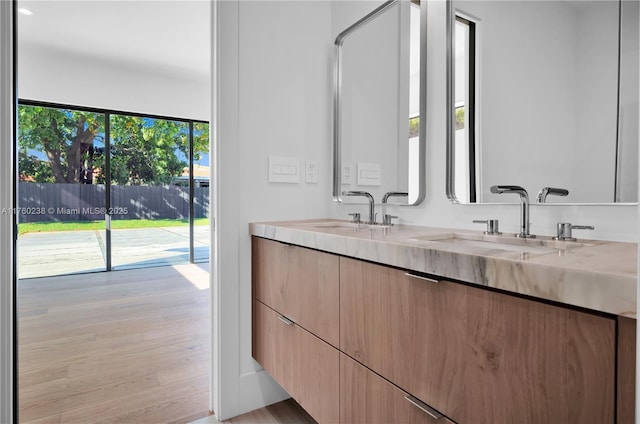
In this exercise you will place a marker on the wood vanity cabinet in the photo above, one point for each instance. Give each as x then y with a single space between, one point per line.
351 341
476 355
302 284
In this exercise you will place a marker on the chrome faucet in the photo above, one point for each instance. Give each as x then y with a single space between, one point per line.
371 203
387 218
388 194
524 206
542 194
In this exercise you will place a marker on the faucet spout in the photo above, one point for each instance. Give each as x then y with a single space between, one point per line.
542 194
524 206
369 198
388 194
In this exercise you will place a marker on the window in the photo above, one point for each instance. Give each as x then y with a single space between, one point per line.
465 87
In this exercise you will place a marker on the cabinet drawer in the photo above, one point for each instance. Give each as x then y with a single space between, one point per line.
367 398
476 355
305 366
302 284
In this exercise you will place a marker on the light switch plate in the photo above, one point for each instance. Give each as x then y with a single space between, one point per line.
347 174
311 171
369 174
284 170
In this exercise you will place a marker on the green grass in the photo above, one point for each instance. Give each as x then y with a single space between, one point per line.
40 227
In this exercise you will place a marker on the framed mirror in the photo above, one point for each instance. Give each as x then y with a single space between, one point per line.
378 133
543 94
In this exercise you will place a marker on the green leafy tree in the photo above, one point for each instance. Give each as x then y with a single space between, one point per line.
65 137
200 140
34 169
143 150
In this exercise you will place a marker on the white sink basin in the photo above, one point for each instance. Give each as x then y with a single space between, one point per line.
337 225
495 242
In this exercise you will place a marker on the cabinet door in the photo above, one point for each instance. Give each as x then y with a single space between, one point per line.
305 366
367 398
476 355
302 284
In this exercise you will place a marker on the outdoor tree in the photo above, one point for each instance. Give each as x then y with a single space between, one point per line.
145 150
65 146
64 137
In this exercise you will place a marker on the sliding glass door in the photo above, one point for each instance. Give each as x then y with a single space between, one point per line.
61 191
149 199
101 190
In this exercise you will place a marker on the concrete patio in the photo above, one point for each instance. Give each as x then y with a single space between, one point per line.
71 252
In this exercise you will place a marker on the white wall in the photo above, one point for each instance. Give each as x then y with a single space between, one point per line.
275 80
612 222
47 74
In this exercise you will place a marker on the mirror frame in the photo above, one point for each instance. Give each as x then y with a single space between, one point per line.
450 122
450 17
337 93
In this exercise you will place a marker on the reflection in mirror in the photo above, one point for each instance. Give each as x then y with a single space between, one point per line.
543 94
378 134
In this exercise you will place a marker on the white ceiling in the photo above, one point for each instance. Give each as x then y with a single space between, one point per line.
172 35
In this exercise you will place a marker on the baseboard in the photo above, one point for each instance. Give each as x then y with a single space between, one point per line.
256 390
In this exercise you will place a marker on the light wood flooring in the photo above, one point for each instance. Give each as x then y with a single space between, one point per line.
285 412
120 347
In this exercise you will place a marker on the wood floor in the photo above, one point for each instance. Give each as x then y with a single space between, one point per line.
286 412
120 347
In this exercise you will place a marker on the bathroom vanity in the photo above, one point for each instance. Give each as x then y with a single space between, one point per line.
408 324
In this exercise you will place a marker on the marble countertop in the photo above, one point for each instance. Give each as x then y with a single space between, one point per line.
593 274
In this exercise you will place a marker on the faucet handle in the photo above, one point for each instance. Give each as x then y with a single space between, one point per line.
355 217
492 226
386 219
564 230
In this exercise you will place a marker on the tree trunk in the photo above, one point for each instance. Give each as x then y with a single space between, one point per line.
75 152
53 154
54 161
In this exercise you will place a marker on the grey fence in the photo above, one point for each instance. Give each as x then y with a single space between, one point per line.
86 202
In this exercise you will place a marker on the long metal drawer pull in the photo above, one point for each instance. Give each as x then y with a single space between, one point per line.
285 320
420 277
424 407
